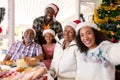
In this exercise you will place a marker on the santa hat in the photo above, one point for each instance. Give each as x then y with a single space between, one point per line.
86 24
54 7
49 31
30 29
73 24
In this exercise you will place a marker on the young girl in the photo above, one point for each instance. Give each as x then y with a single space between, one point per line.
48 47
97 57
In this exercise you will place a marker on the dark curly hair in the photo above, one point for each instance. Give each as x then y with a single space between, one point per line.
99 37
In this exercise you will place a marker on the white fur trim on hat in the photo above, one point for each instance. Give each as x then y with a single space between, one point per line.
49 31
32 30
72 24
84 24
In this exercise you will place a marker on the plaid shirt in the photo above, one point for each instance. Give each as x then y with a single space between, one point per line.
38 26
19 48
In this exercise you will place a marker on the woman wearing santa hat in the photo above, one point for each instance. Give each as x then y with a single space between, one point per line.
97 57
64 59
47 21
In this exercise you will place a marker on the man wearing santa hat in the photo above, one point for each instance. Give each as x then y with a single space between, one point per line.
47 21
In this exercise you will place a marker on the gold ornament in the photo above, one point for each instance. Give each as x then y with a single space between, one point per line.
118 2
118 26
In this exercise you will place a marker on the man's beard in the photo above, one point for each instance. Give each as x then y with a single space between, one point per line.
27 39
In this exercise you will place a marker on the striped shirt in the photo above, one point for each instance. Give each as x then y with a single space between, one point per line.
18 49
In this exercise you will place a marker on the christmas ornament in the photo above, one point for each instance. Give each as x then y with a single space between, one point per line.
118 26
111 5
112 39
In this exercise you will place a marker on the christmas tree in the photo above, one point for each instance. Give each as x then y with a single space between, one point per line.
2 13
107 17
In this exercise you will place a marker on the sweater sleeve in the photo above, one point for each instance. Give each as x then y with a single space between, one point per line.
114 54
111 51
52 66
58 29
52 71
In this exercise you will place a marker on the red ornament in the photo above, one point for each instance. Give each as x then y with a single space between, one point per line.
111 4
118 19
112 40
0 29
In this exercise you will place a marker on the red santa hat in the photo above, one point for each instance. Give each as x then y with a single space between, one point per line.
88 24
73 24
49 31
54 7
30 28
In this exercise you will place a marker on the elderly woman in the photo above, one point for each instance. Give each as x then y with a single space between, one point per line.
64 59
97 57
26 47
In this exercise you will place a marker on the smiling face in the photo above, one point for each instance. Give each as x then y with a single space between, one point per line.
49 12
48 37
68 33
28 35
87 37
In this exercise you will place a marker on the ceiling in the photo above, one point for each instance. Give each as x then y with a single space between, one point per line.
27 10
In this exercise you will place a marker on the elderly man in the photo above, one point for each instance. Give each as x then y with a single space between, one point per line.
26 47
47 21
